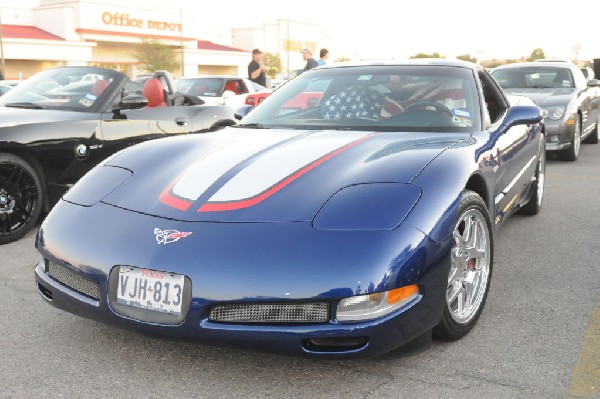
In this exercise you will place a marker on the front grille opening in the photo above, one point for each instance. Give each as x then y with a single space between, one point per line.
73 281
291 313
46 293
335 344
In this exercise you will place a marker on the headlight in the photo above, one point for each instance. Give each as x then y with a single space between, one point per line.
373 306
373 206
554 113
97 184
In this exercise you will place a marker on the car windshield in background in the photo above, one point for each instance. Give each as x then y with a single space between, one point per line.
204 87
70 89
384 98
534 78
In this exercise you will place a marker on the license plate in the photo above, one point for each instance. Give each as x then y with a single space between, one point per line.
150 289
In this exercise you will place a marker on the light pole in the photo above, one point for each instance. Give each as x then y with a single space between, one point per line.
181 38
2 64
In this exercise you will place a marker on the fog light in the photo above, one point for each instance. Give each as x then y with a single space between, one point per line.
553 138
372 306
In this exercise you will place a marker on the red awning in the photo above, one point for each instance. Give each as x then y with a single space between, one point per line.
27 32
206 45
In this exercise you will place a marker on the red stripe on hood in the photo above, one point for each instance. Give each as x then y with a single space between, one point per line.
233 205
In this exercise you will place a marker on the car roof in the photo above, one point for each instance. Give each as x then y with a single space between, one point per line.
407 62
211 76
564 65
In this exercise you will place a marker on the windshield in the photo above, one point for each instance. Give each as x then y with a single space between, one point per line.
385 98
204 87
534 77
71 89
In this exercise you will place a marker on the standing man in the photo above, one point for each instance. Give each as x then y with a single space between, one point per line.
310 61
323 54
256 72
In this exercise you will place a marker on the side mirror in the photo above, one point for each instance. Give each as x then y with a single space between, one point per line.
523 115
133 101
593 83
243 111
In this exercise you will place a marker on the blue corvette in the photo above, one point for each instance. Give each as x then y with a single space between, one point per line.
351 212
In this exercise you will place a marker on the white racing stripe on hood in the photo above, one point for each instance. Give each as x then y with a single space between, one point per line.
200 176
276 165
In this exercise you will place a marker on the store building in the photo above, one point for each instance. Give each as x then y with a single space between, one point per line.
40 34
82 32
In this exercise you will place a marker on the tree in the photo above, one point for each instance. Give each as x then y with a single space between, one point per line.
425 55
273 64
154 55
467 57
536 54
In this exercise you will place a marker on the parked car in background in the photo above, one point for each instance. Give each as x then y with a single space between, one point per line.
588 73
215 89
10 82
61 122
307 99
570 102
256 98
4 89
342 227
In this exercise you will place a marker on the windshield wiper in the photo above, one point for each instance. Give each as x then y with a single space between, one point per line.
251 125
24 105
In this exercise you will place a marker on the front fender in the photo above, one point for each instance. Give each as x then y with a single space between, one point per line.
442 183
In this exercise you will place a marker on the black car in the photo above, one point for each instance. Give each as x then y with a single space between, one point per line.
58 124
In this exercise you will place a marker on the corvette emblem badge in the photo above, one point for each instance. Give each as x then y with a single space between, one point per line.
168 236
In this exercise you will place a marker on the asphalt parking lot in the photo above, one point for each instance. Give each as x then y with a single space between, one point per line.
539 336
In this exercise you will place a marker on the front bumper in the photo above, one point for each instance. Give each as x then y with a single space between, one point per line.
329 340
559 134
250 263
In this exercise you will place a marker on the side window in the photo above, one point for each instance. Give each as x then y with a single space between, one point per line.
234 86
243 88
494 102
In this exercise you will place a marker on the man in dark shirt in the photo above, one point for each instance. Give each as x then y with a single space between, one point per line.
308 57
256 72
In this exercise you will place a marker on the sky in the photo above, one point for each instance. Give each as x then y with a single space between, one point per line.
398 29
485 29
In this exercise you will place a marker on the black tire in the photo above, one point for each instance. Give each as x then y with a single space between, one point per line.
593 137
471 210
571 153
21 197
534 205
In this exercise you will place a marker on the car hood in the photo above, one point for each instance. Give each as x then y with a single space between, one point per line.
545 97
249 175
20 116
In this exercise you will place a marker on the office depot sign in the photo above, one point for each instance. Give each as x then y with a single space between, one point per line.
120 19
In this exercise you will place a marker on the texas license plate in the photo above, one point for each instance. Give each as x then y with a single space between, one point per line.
150 289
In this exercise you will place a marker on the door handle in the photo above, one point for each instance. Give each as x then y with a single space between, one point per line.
181 121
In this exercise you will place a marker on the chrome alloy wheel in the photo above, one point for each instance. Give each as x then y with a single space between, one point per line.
470 266
541 177
577 137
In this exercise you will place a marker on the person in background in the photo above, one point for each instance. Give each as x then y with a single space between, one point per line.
256 72
308 57
323 54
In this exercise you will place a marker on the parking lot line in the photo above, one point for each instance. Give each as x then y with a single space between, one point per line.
586 376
